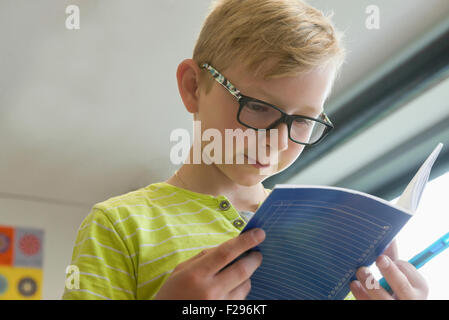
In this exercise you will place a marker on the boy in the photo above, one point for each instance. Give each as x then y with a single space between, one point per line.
257 64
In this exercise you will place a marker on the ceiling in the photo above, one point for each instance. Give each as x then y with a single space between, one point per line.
87 114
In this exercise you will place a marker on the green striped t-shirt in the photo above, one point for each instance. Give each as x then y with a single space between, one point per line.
128 245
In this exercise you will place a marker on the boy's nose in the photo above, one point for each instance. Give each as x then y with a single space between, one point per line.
282 137
282 141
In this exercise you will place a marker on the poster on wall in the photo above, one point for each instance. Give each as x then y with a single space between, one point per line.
21 257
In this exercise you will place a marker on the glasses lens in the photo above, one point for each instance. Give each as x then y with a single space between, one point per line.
258 115
261 116
306 130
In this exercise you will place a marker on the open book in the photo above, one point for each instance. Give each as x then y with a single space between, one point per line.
317 236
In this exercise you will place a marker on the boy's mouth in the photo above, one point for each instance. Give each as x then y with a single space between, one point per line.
257 164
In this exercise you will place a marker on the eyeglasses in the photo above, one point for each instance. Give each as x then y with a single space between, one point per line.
259 115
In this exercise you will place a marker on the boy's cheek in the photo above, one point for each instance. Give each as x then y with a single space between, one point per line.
288 157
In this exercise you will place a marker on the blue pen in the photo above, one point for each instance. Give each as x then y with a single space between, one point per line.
423 257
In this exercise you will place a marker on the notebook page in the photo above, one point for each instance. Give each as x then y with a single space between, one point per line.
409 199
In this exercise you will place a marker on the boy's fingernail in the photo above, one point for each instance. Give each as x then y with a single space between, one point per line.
383 262
259 234
363 273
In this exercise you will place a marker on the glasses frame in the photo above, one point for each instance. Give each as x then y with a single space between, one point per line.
285 118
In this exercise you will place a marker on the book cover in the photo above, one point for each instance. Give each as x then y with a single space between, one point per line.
318 236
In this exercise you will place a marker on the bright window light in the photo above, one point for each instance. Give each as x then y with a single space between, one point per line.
430 222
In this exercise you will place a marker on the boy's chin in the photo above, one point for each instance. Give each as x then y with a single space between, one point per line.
246 176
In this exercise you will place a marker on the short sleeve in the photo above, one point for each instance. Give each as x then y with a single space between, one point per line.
101 266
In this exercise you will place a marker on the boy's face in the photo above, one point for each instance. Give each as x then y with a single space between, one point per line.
301 95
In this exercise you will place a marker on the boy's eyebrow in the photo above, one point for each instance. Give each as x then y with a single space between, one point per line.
280 106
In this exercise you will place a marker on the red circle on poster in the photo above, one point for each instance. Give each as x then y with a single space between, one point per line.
29 244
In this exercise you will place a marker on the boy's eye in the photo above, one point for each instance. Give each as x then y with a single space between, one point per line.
257 107
304 122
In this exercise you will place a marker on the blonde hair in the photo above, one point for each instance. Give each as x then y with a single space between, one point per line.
293 34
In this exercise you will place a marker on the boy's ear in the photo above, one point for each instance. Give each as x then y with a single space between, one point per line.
188 75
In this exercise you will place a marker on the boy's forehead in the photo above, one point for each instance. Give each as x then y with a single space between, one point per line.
308 90
246 79
243 71
241 75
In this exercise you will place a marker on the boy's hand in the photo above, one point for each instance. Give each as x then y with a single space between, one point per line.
202 277
404 279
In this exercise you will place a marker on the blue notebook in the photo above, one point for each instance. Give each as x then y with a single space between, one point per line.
318 236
